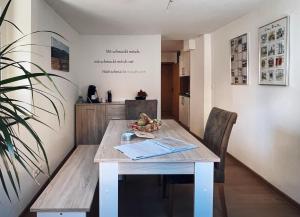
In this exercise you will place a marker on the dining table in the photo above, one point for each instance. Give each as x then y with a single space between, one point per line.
112 163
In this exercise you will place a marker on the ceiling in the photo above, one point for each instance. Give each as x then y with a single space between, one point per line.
184 18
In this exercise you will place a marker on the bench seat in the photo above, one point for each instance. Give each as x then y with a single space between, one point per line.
71 191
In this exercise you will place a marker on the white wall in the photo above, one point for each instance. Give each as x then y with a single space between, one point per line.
267 134
44 18
59 142
16 13
207 77
200 84
123 85
197 87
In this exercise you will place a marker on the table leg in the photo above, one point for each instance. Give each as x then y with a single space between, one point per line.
203 192
108 189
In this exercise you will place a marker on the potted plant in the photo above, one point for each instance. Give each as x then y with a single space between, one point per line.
14 112
141 95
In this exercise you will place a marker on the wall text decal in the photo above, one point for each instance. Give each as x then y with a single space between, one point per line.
117 61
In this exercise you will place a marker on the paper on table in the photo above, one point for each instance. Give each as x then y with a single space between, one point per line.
174 144
154 147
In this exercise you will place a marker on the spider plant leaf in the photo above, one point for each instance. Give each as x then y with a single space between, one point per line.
21 161
8 171
2 17
30 150
55 108
30 130
40 92
48 75
25 51
26 72
3 100
25 156
14 25
29 80
31 105
17 107
4 185
11 160
29 161
26 76
8 46
23 45
6 137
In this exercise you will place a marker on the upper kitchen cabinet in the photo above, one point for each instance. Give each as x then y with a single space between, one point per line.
185 59
184 63
189 45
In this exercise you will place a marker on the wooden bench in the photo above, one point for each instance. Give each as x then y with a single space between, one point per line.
71 192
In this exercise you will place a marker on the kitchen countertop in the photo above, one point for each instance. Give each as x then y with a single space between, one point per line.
184 94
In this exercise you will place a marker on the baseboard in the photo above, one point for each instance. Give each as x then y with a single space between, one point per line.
291 200
47 182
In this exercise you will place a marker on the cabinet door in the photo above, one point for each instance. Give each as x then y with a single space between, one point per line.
184 111
186 63
89 124
187 111
181 67
114 112
181 109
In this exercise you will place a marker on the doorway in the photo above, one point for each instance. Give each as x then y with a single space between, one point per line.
170 91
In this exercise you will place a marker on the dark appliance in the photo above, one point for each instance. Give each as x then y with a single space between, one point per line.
92 96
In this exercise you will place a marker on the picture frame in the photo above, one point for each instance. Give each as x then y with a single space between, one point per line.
60 55
274 48
239 60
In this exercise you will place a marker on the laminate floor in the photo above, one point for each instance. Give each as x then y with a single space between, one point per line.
246 196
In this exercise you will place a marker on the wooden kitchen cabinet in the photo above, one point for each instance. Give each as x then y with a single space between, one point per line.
92 120
184 63
89 123
184 111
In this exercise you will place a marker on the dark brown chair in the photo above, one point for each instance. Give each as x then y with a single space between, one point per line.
217 132
133 108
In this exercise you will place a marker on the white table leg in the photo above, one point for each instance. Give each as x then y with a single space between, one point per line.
108 189
203 192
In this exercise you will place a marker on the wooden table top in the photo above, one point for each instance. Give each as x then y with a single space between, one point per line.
169 128
73 188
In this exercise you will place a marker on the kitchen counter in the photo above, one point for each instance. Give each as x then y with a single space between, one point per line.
184 94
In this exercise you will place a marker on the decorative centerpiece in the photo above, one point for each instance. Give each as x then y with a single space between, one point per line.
146 124
141 95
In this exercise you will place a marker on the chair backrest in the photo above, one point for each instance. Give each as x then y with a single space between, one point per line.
133 108
216 136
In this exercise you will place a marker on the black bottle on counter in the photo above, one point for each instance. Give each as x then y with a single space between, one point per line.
109 96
